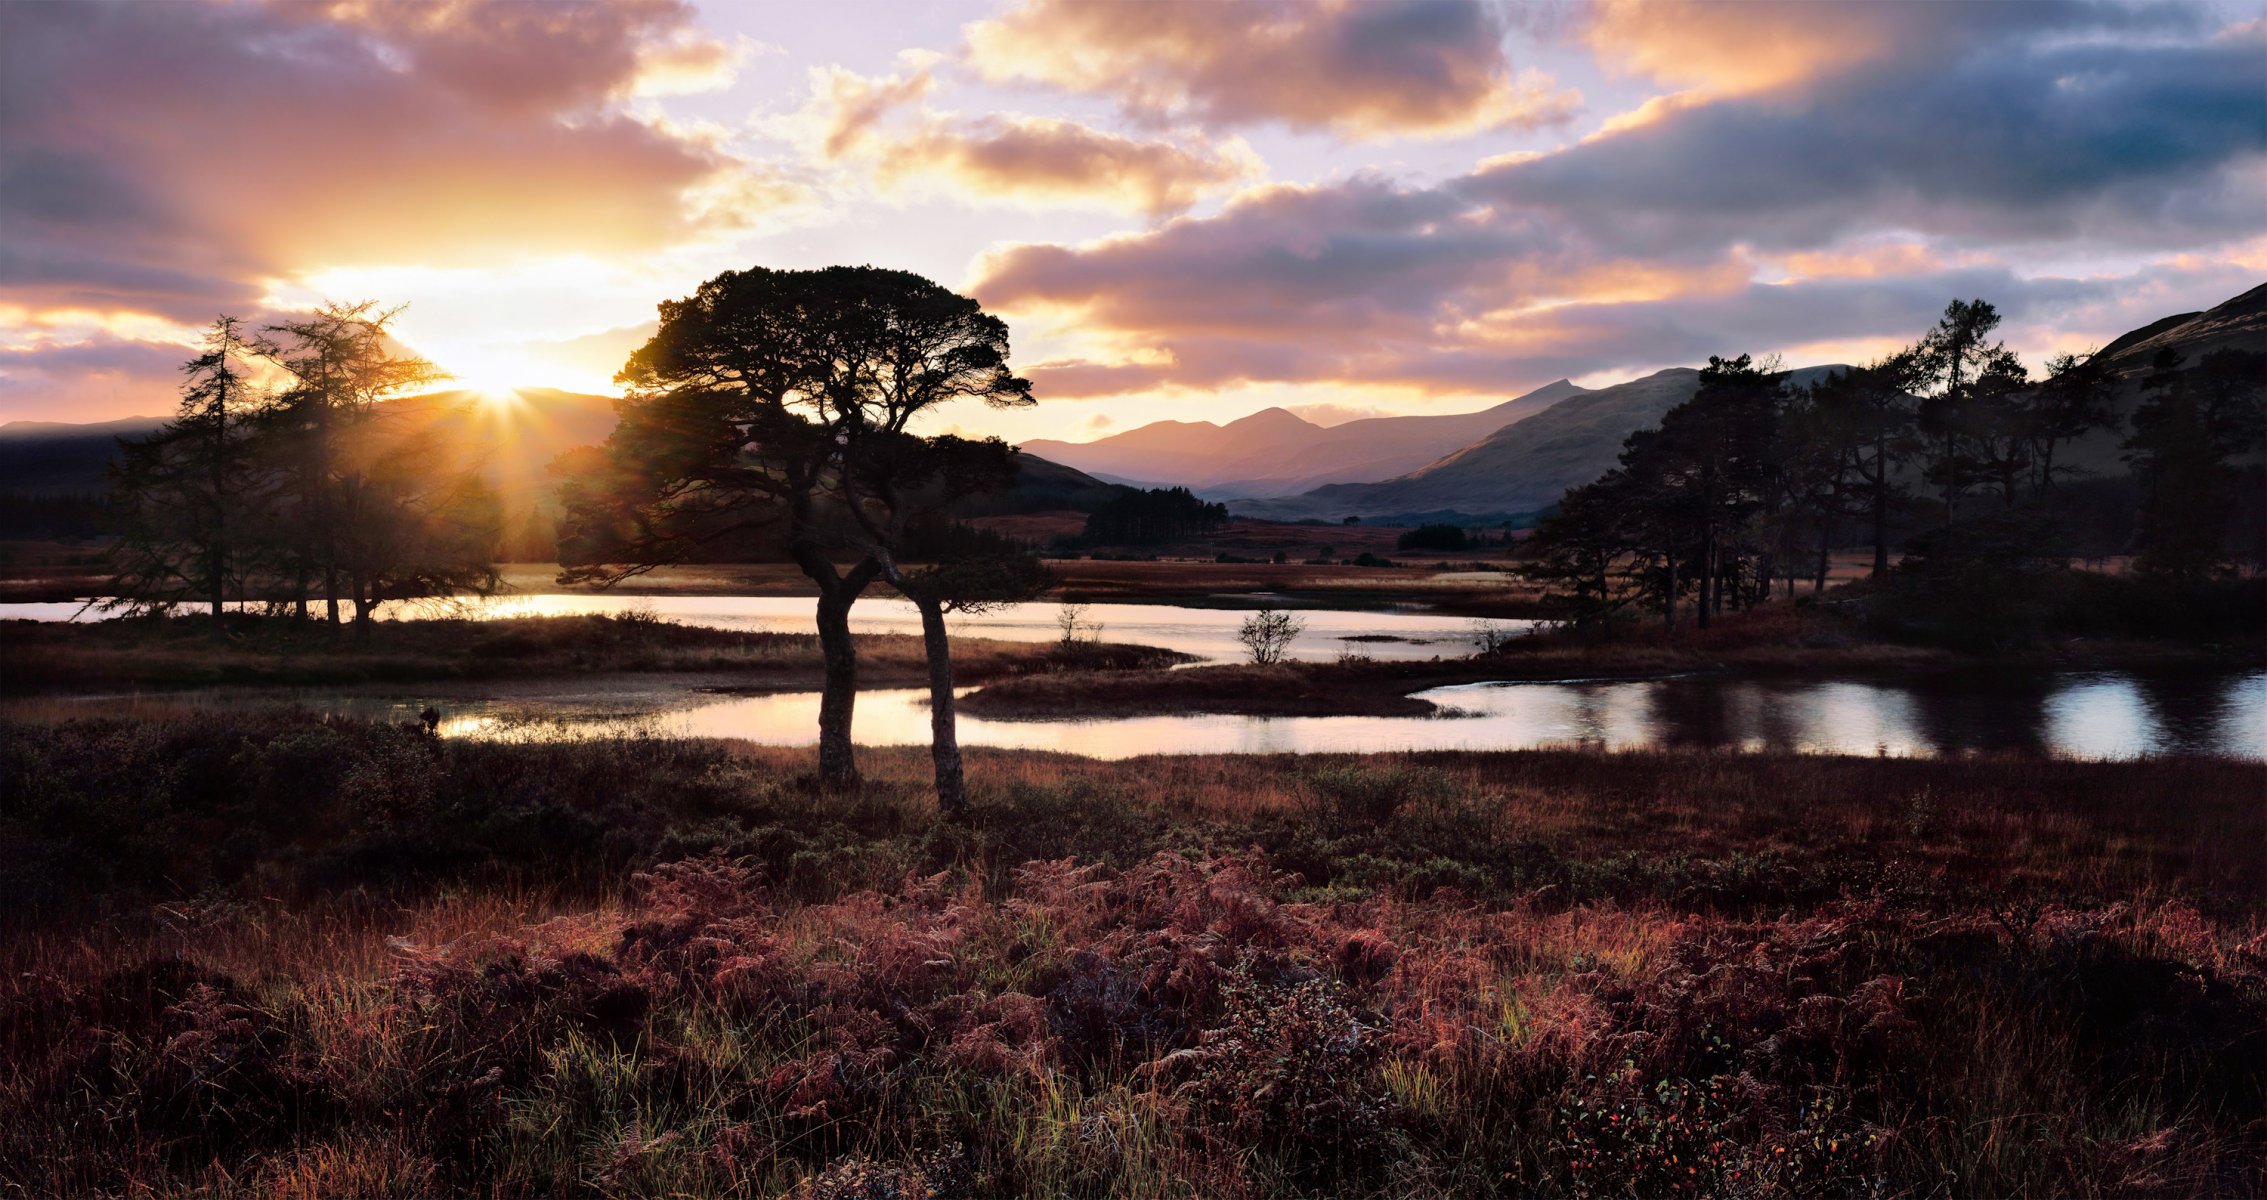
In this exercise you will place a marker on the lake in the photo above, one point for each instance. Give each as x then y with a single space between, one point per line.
1208 633
2105 715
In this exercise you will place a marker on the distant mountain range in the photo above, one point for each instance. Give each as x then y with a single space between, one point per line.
1513 471
1275 452
1524 464
1502 462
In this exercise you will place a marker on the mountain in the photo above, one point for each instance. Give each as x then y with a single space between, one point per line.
1525 466
1275 452
2236 324
1518 469
52 458
2240 323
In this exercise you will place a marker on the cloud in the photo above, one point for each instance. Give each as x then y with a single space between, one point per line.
176 158
99 379
1354 68
1850 207
886 125
1718 49
1078 378
2135 145
1328 414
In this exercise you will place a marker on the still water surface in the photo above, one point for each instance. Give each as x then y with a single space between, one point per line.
2070 714
1208 633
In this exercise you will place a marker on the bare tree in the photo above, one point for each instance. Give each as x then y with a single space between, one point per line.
1267 635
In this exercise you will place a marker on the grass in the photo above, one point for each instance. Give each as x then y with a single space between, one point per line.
268 954
179 652
1780 641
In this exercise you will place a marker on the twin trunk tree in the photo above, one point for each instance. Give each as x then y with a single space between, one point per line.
768 416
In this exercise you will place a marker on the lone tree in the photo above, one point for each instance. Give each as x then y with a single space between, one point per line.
740 411
1267 635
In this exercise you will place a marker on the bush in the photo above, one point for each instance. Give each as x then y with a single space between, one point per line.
1434 537
1290 1072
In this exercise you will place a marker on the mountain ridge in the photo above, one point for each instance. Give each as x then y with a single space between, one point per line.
1274 450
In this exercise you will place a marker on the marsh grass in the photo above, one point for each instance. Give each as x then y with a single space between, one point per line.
179 652
269 954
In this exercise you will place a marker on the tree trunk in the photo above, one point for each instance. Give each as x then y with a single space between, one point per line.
838 698
1707 579
218 584
1881 509
1669 594
944 734
1825 559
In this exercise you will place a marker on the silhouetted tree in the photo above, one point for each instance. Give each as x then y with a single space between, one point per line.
900 486
740 410
1948 361
184 497
2191 424
1708 469
1450 538
1156 515
2075 399
341 365
1584 548
1267 635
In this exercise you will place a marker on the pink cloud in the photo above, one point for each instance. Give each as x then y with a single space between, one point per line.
1358 69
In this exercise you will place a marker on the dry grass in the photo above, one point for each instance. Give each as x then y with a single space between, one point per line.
267 955
48 656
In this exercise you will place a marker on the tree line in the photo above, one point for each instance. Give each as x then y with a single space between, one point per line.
283 481
1149 517
1754 481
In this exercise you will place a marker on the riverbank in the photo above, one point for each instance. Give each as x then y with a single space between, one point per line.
333 958
1779 642
56 656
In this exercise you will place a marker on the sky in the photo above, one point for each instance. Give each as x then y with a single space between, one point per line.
1184 210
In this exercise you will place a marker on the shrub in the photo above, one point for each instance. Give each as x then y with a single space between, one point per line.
1291 1071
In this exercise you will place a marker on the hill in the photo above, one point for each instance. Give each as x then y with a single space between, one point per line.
1516 470
1275 452
1525 466
55 458
514 439
2239 323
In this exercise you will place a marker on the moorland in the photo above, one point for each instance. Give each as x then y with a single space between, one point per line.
292 956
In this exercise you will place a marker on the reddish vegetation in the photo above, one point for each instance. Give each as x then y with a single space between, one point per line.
1440 975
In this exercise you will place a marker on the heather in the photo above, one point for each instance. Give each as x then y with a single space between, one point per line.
271 954
182 651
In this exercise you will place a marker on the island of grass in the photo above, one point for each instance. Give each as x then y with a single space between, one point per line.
179 652
1780 641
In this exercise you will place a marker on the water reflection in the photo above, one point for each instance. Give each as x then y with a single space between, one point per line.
2071 715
